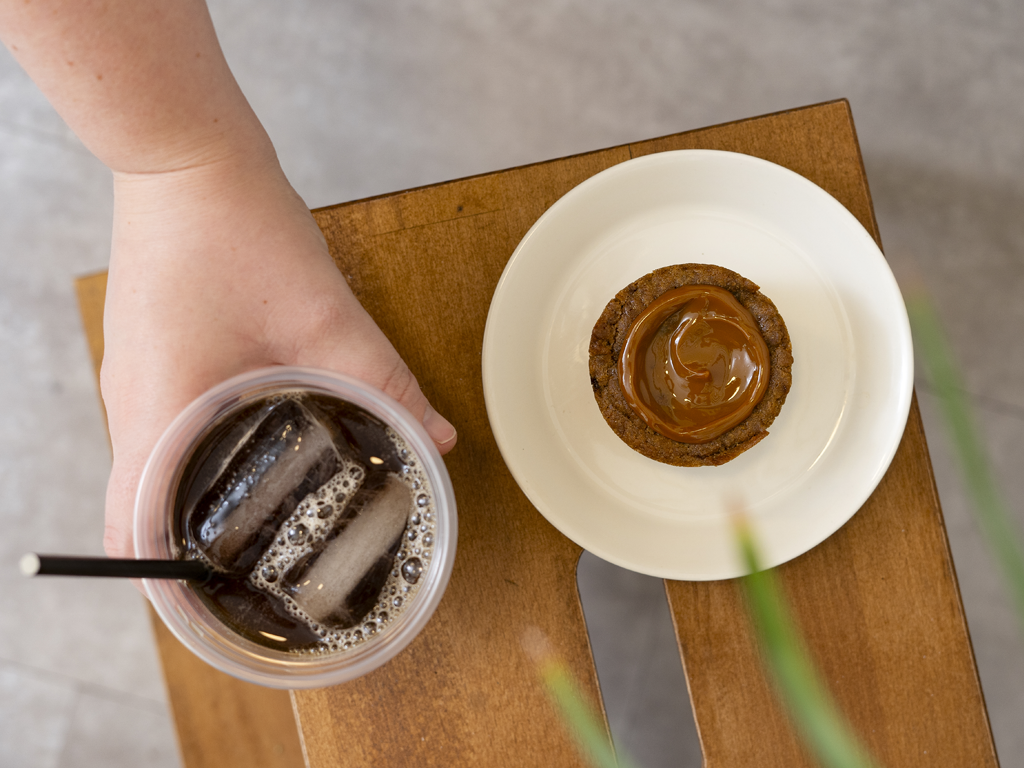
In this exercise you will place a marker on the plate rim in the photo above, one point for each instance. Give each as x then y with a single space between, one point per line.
903 371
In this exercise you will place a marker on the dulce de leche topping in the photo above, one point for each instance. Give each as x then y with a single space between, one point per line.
694 364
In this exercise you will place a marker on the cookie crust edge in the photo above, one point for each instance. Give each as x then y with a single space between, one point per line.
610 333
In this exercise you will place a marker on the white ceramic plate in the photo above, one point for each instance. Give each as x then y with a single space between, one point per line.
852 375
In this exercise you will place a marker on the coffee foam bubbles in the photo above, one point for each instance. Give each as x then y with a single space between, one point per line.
316 517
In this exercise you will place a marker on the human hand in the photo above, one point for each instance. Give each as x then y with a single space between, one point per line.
215 270
217 266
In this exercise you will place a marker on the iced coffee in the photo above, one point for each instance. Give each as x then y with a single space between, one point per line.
316 519
324 513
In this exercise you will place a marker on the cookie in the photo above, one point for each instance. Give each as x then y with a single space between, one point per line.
621 410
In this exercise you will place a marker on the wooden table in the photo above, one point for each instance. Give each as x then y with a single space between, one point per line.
878 601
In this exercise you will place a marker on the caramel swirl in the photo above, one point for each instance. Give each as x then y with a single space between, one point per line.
694 364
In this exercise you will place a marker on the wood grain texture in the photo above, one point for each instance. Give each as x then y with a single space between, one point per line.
878 601
91 291
223 722
878 605
220 722
464 693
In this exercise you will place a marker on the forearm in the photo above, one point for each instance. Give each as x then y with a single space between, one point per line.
144 85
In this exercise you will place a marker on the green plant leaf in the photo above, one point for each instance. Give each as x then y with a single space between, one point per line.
582 722
990 511
580 719
800 688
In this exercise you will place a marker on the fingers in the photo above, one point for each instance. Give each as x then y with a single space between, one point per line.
391 375
440 430
134 433
404 388
352 344
142 399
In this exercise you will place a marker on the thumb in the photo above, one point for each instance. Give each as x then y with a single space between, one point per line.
401 384
121 489
139 409
134 431
361 350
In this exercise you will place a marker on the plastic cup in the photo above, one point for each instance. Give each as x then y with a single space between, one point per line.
196 625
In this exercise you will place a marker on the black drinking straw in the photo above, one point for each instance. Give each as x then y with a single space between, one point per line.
64 565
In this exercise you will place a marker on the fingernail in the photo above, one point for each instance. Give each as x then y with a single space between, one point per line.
438 427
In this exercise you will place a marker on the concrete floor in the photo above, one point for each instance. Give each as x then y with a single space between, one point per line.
364 98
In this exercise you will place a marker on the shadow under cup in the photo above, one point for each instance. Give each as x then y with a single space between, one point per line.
188 616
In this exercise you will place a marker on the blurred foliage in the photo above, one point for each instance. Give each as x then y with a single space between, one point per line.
800 688
582 721
986 501
825 731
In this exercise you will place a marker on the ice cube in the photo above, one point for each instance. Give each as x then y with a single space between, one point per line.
341 584
217 450
287 456
256 615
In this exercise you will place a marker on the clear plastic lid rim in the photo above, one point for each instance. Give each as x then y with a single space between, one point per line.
191 622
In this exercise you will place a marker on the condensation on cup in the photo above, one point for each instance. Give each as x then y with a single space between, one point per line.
325 513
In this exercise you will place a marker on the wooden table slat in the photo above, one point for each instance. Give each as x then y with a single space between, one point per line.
220 722
878 601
